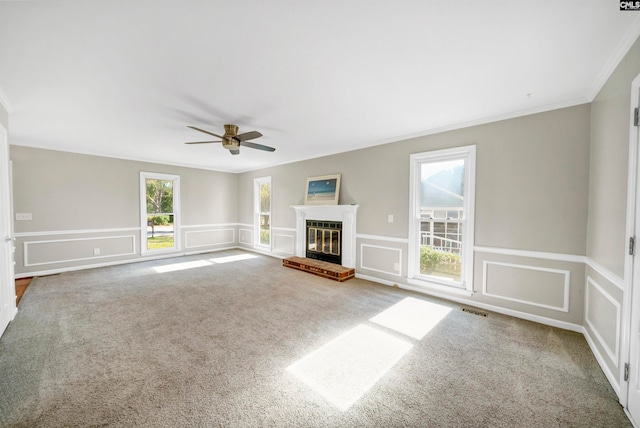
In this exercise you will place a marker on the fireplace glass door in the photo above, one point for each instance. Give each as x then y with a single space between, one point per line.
324 241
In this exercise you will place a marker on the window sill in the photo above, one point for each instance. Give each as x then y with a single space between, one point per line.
434 286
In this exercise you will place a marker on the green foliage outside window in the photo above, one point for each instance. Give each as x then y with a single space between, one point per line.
159 196
161 220
439 263
265 238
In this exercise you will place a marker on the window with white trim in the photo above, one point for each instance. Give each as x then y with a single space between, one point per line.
262 210
159 208
442 221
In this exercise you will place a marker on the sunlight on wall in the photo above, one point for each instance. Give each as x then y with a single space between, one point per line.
413 317
345 368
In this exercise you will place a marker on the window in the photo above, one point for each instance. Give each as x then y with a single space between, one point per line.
262 204
441 224
159 201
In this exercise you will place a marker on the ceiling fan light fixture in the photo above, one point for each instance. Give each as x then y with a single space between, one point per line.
231 144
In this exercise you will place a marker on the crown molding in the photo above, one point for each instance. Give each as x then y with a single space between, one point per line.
616 57
5 102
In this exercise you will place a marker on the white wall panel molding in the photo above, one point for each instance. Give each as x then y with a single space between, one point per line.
76 232
265 252
592 320
245 236
397 262
117 262
382 238
283 243
610 276
194 226
129 252
565 283
208 237
533 254
284 229
607 274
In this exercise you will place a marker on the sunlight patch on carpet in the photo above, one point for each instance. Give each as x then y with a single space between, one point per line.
411 316
181 266
347 367
229 259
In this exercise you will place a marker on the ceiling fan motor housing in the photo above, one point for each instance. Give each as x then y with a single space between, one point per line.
230 131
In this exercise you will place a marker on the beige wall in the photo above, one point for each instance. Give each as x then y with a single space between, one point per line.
531 194
606 241
69 193
531 183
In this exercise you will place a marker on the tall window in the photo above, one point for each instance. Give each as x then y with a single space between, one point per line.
160 199
262 196
441 226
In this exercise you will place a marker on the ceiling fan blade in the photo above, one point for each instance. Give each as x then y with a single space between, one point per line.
257 146
235 151
248 136
206 132
203 142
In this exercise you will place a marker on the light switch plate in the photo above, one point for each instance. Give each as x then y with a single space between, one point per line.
390 218
23 216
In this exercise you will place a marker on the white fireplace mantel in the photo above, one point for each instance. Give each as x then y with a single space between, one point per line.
344 213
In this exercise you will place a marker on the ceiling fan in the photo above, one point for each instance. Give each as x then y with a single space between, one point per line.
232 141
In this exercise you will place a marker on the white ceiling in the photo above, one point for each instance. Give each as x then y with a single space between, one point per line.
125 78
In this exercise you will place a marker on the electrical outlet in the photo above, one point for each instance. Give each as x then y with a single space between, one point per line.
396 267
96 251
390 218
23 216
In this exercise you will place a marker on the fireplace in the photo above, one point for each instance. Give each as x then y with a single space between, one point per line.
324 241
344 214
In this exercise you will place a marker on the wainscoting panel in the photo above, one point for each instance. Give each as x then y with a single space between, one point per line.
245 236
531 285
206 238
378 258
603 316
284 243
46 252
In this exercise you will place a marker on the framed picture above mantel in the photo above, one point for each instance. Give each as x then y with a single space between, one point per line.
323 190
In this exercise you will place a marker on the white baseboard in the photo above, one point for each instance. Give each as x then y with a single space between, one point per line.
517 314
118 262
626 412
613 380
264 252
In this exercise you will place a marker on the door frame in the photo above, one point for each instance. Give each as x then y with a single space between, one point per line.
6 268
632 200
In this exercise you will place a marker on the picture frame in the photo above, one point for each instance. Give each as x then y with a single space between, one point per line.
323 190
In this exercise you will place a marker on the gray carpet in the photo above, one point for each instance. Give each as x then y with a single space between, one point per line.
210 346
